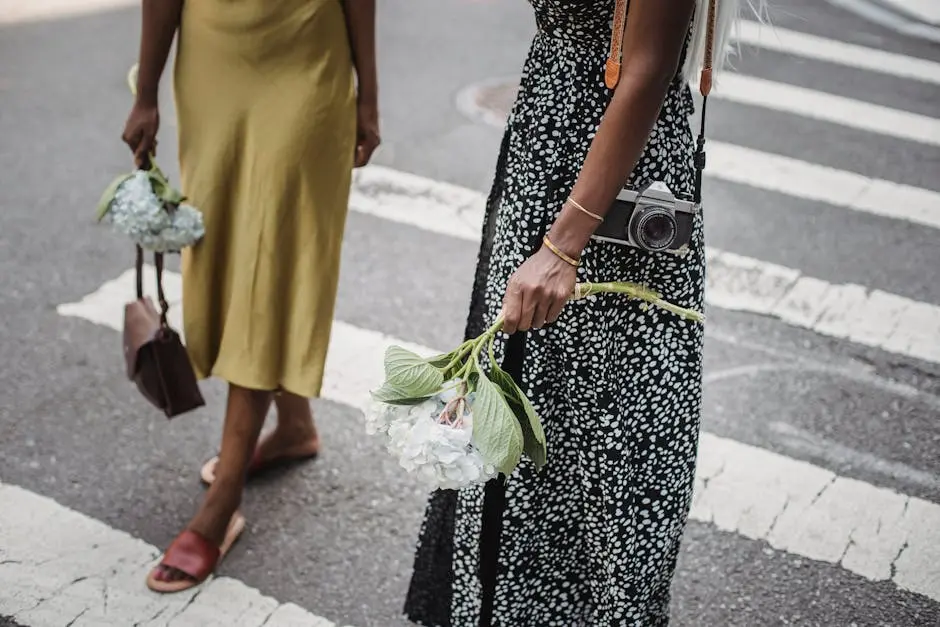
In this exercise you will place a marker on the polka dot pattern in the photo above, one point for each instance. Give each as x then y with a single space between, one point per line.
592 539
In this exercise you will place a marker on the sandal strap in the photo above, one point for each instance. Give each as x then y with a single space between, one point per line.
256 462
192 554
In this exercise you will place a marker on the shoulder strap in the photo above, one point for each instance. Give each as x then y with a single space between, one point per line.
613 65
615 53
704 87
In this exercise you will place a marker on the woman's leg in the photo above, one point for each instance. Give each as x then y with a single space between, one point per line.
295 437
295 434
244 417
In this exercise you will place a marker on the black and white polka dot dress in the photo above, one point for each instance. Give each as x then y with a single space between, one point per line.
593 539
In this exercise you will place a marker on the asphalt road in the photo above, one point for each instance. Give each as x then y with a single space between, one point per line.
336 536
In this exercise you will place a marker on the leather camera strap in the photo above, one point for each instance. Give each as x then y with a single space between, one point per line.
612 67
614 61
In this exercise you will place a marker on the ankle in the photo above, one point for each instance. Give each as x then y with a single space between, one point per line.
295 431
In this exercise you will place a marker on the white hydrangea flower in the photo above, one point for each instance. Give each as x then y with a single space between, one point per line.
441 454
138 213
380 416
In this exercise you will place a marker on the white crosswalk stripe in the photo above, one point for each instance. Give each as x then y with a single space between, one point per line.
794 506
819 183
60 567
792 42
871 317
829 108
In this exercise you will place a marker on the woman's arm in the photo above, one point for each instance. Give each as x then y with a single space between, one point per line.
653 41
360 24
161 18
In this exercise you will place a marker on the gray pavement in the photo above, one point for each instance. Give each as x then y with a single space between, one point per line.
336 536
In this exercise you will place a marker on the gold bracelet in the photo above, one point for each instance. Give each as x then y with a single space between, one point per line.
577 206
559 253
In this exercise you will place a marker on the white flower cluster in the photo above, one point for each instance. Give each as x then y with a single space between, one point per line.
137 212
425 442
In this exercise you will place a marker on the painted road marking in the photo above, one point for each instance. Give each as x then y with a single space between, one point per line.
12 11
793 42
870 317
59 567
793 505
829 108
785 175
819 183
923 10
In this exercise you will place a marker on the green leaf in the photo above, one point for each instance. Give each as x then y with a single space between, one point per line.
441 360
496 432
162 188
396 396
411 375
533 436
108 196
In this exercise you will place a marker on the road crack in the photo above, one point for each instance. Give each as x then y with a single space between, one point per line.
80 614
152 618
823 489
773 523
191 600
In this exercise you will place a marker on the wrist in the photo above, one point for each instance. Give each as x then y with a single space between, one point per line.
570 236
558 254
147 97
367 95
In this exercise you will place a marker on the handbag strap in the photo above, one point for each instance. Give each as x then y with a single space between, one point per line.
613 66
161 296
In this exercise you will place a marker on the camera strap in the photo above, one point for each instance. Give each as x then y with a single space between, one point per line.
613 65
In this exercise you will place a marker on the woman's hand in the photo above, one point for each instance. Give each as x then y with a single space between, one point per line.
140 131
537 292
367 132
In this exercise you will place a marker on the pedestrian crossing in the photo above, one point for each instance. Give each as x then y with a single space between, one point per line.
794 506
871 317
778 39
877 532
829 108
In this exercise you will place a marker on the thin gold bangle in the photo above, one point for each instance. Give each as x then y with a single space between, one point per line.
559 253
577 206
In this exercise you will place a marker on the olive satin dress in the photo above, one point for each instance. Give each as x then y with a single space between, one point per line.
265 100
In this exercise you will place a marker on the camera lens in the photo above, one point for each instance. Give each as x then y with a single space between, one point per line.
653 228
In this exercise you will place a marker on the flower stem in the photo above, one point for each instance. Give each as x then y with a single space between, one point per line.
459 354
583 290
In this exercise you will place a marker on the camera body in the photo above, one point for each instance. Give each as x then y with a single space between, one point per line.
650 218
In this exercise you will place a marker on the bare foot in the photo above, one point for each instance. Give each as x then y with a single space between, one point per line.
280 445
164 578
214 521
289 443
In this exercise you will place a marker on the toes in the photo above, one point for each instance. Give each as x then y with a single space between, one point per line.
167 574
161 573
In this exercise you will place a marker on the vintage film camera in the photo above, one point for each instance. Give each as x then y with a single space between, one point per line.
649 218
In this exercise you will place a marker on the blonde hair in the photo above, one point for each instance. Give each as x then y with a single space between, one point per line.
726 22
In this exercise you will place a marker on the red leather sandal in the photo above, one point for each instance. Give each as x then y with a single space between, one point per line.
257 465
196 557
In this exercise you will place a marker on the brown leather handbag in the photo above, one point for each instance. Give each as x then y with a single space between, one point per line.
155 356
